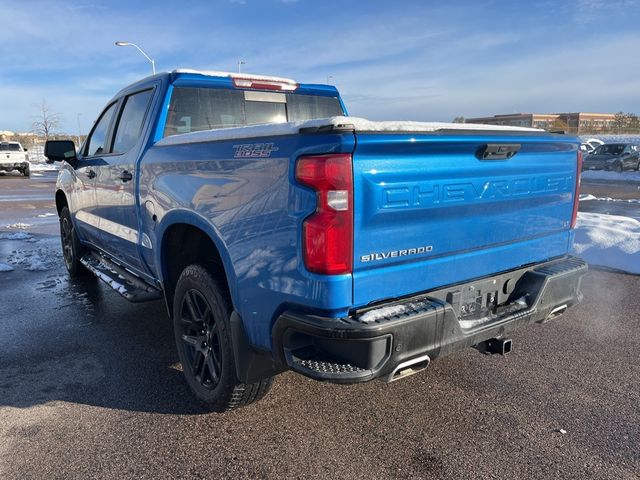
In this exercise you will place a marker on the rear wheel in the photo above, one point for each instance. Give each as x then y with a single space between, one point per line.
618 167
203 339
26 172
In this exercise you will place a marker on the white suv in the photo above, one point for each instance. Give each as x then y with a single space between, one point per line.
14 157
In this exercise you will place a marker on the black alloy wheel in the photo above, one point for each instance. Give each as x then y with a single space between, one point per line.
201 338
71 249
202 330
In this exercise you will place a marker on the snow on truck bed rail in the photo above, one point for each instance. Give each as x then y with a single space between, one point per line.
358 124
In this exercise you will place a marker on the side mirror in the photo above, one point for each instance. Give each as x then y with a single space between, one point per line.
60 150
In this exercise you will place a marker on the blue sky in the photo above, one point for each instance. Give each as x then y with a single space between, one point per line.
410 60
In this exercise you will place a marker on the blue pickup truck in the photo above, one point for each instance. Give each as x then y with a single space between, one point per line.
283 234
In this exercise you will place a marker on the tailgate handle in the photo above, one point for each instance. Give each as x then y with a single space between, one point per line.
498 151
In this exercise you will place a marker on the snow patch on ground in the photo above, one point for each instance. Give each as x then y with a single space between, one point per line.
617 176
45 215
19 225
5 268
44 167
608 241
40 259
16 236
588 196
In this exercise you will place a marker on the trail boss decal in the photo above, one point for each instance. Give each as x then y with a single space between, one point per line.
254 150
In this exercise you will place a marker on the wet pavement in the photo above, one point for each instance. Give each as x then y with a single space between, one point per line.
90 388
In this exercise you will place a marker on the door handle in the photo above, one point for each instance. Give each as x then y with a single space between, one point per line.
90 174
125 176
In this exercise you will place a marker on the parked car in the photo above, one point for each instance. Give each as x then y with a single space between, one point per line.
342 249
594 142
586 148
14 157
614 156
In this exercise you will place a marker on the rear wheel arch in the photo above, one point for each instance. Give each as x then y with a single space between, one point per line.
185 244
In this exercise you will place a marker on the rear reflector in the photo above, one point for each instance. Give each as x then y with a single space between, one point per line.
576 199
264 84
327 234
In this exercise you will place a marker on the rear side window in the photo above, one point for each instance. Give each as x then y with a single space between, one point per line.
196 109
131 121
96 145
309 107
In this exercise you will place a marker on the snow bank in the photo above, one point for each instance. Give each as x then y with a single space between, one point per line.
608 241
44 167
5 268
358 124
617 176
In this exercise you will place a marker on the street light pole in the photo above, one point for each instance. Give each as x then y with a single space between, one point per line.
129 44
240 63
79 130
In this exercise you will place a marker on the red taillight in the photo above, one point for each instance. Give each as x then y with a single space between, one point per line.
327 235
576 199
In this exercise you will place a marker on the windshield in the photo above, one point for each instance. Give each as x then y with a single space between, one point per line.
10 147
195 109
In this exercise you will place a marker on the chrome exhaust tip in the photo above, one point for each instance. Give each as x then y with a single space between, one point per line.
555 313
408 368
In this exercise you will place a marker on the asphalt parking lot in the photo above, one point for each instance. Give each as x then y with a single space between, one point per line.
90 388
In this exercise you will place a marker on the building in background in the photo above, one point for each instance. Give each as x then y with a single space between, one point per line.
575 123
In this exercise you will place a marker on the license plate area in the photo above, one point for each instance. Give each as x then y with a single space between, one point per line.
475 303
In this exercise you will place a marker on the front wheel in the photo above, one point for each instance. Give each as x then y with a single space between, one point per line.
26 172
203 338
618 167
71 249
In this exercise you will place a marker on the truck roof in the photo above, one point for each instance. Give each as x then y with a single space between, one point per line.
234 80
234 75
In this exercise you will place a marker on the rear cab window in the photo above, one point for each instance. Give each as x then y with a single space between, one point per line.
10 147
194 109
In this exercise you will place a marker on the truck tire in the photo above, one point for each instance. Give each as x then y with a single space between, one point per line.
72 250
26 172
203 338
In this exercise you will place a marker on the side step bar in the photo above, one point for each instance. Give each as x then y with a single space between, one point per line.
122 281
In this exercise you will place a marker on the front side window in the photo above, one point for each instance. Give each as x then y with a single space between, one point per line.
96 145
194 109
131 121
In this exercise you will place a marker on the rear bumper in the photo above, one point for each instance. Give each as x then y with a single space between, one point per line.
375 343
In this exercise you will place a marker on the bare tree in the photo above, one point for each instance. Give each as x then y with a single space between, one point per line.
458 120
47 123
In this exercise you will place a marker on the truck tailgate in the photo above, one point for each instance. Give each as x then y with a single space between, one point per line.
431 211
